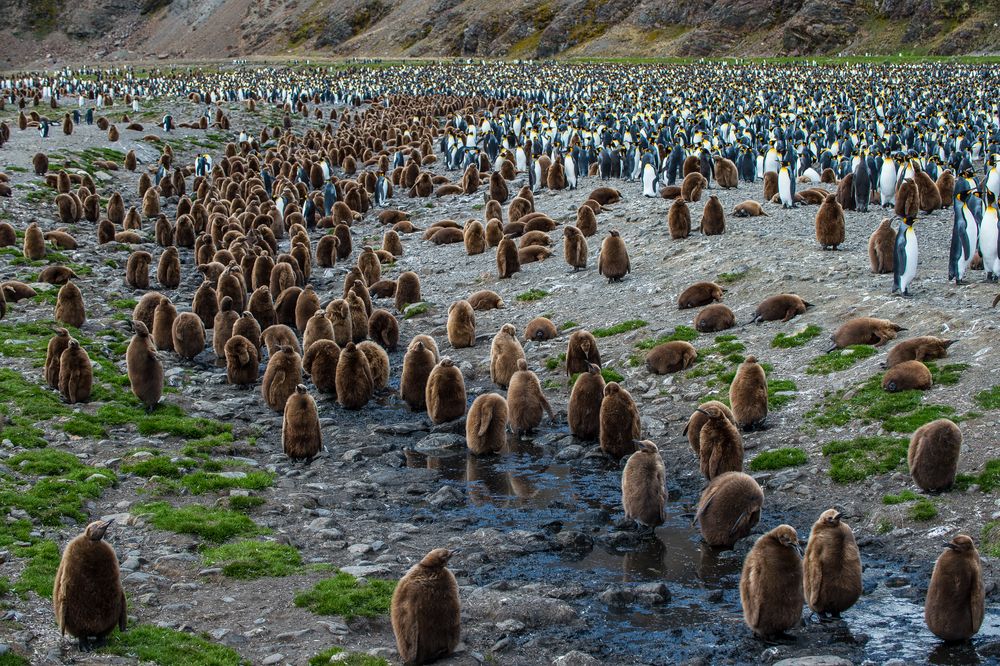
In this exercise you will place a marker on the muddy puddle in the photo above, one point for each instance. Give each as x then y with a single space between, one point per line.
525 488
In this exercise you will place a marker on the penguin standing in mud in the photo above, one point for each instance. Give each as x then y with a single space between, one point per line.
786 185
905 267
964 238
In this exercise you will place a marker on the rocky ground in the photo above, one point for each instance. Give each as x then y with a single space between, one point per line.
549 570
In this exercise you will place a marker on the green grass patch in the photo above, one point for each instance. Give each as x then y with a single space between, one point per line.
62 485
783 341
988 480
40 574
857 459
12 659
212 524
898 412
568 325
904 496
778 459
780 392
154 466
343 595
611 375
531 295
335 655
123 303
248 560
989 399
553 362
923 509
415 309
991 538
946 375
624 327
920 416
202 482
839 359
245 503
167 647
685 333
729 278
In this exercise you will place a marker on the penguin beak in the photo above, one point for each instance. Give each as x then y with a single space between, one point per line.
838 516
702 411
949 544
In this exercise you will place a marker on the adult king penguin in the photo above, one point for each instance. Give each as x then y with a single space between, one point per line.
964 238
905 267
786 185
989 239
381 190
649 178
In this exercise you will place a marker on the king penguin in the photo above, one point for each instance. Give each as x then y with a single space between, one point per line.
905 267
887 182
43 128
786 185
168 123
203 165
381 190
649 178
989 239
964 238
569 167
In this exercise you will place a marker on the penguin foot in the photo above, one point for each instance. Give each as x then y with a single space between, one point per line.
84 644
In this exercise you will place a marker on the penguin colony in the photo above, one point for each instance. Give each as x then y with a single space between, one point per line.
256 223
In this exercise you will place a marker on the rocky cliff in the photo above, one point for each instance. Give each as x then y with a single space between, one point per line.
121 29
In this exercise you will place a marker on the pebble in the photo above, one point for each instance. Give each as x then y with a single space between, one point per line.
273 659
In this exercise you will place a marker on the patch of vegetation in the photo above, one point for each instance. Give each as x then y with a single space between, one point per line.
248 560
123 303
40 574
568 325
904 496
898 412
12 659
857 459
216 525
780 392
623 327
154 466
778 459
923 509
553 362
611 375
989 399
335 655
783 341
343 595
685 333
244 503
947 375
988 480
167 647
991 538
202 482
62 485
839 359
918 417
531 295
415 309
729 278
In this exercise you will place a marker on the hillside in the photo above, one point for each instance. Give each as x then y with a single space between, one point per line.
103 30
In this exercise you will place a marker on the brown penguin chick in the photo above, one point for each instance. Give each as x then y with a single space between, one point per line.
720 447
540 328
907 199
525 400
864 331
508 260
906 376
305 307
383 289
671 192
584 411
8 237
40 164
474 237
69 306
556 179
392 244
222 326
231 284
283 374
581 351
301 437
692 164
518 208
494 232
61 239
205 303
749 208
713 217
445 393
359 317
829 176
276 336
461 325
263 309
933 455
34 243
407 290
679 220
715 317
748 395
586 221
782 307
485 300
242 362
830 223
168 270
369 265
613 262
137 269
326 251
955 603
671 357
832 566
87 594
814 196
146 308
644 486
339 313
726 174
699 294
145 371
698 418
355 383
425 610
384 329
188 335
57 345
574 248
533 253
417 365
845 193
163 325
535 237
881 248
15 290
605 195
692 187
76 376
486 425
378 361
320 362
771 583
927 192
505 352
619 427
946 187
729 508
921 348
284 305
151 203
770 185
